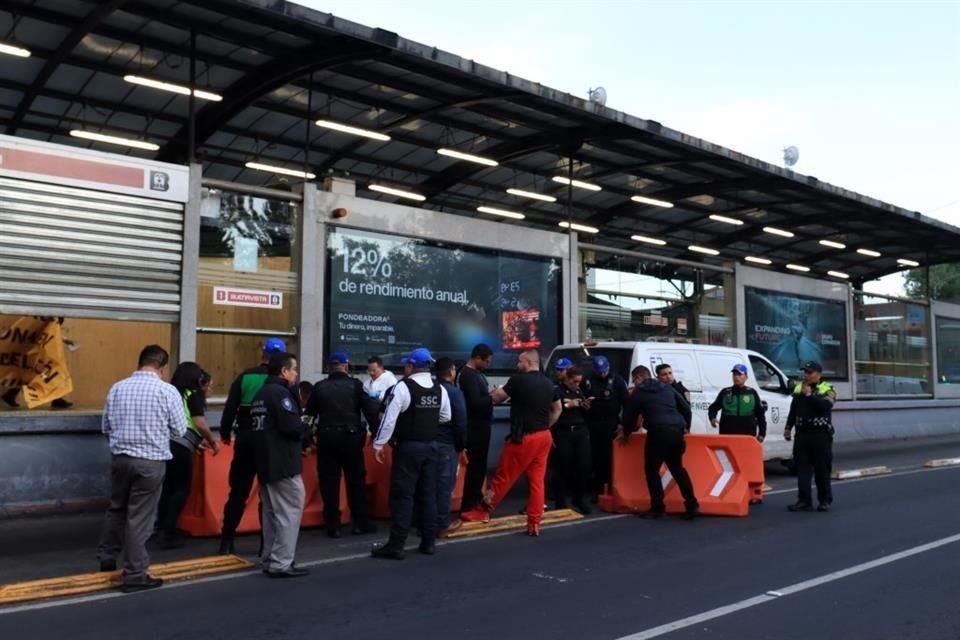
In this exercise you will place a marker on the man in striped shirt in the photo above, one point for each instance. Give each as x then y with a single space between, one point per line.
140 417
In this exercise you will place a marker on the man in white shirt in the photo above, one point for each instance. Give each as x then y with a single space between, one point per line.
411 422
379 383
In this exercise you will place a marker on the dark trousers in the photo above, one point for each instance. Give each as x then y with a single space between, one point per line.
572 458
667 446
478 452
601 445
813 455
243 471
176 489
413 484
339 449
447 458
135 486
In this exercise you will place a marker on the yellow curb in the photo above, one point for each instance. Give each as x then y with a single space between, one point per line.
861 473
507 523
943 462
101 581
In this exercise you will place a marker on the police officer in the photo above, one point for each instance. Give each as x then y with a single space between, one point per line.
666 417
571 441
741 411
560 369
243 468
412 421
337 407
607 393
810 413
279 432
665 375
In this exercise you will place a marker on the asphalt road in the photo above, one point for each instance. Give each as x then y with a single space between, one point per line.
883 564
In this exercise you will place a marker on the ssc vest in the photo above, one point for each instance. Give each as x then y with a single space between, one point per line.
421 420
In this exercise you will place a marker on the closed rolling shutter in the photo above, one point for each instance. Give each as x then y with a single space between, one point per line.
85 253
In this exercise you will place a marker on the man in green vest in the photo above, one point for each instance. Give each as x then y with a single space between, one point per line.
810 413
243 468
741 411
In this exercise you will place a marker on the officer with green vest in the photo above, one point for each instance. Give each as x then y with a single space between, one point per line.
741 411
243 468
810 414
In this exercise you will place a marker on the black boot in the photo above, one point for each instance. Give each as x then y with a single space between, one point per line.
392 550
226 547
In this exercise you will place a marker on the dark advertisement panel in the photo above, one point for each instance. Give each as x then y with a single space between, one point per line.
389 294
790 330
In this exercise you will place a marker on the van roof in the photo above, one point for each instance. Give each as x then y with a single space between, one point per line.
660 346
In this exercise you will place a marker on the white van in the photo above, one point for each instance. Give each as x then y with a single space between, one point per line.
704 370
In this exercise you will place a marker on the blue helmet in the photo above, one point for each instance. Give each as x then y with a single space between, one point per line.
274 345
562 364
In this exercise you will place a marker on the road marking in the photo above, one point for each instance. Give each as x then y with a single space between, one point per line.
943 462
775 594
861 473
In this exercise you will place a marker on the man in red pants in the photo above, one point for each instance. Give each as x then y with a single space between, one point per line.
533 410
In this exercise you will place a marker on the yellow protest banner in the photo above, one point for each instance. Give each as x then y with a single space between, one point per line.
32 358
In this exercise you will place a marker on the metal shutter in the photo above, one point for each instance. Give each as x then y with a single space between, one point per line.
85 253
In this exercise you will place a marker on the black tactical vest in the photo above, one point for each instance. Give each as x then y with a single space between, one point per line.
420 421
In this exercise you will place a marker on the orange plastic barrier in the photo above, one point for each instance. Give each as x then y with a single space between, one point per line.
203 513
726 471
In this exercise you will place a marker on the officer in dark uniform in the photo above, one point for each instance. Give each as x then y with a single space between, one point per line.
571 443
243 468
607 393
741 411
810 413
412 421
560 369
337 407
278 432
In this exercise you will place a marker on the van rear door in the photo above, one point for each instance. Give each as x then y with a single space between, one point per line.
582 358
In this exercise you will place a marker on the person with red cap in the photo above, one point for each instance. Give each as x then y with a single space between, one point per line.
533 410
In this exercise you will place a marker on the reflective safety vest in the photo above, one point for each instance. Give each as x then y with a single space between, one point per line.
822 388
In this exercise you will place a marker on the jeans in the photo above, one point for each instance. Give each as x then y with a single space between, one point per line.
447 458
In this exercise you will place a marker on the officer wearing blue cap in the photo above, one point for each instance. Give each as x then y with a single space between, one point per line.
607 393
243 468
741 411
412 421
337 407
560 369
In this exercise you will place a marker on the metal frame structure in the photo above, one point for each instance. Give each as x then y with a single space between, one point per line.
280 66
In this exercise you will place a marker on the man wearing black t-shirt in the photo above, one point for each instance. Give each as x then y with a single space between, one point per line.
533 410
476 392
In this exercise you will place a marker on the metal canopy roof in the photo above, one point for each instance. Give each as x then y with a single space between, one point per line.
279 67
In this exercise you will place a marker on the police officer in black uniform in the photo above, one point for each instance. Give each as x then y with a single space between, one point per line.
810 413
243 468
571 442
412 421
607 393
278 433
336 407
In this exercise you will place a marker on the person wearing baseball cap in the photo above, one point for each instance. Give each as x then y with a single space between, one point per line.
810 413
236 412
560 369
741 411
337 408
607 393
412 421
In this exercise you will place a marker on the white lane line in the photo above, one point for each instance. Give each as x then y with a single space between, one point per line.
775 594
107 595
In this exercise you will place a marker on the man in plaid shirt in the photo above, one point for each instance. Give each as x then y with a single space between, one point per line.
142 413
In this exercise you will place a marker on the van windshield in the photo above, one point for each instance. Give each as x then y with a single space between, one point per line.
582 357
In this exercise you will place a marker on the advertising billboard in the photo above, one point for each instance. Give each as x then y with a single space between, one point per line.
389 294
791 329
